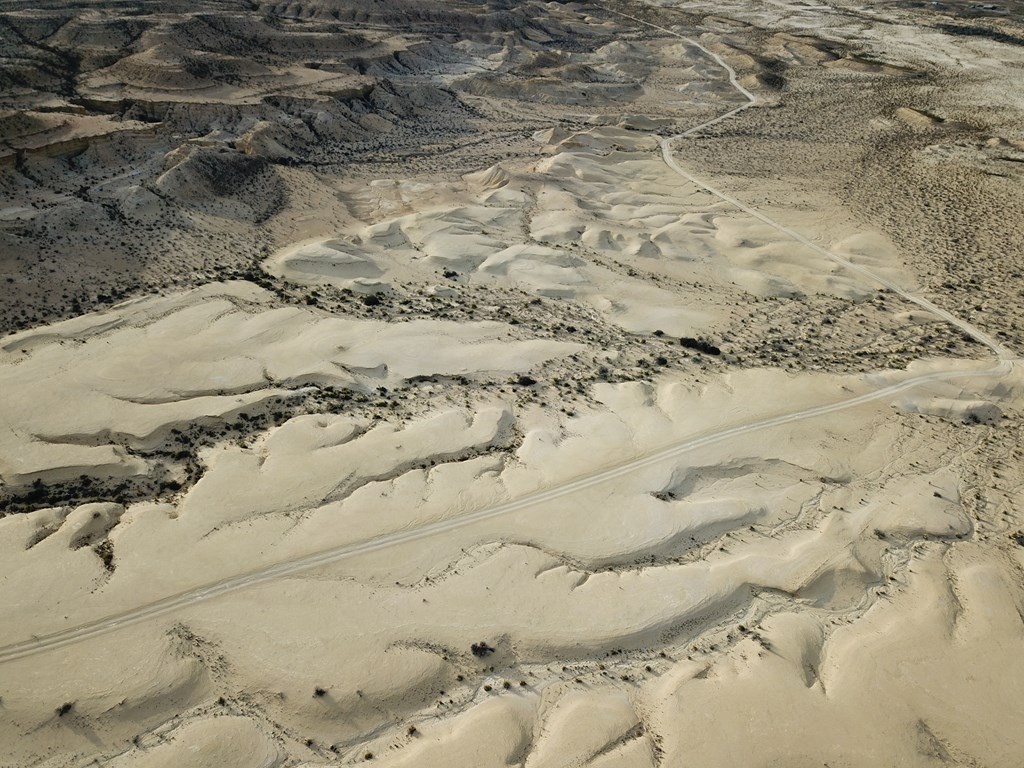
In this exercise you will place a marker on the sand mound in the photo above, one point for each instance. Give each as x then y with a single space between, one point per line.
965 411
494 177
221 352
226 741
333 259
918 119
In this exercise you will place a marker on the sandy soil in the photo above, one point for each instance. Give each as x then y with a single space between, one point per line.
540 385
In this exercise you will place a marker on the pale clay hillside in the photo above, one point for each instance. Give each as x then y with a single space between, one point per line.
447 383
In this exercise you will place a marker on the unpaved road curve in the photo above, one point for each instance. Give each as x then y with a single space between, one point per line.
1003 364
973 331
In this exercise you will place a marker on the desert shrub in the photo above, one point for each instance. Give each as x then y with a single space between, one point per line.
481 649
700 345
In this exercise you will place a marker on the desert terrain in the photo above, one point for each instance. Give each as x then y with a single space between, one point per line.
511 384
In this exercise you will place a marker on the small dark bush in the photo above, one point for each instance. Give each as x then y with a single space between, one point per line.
526 381
481 649
105 551
700 345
